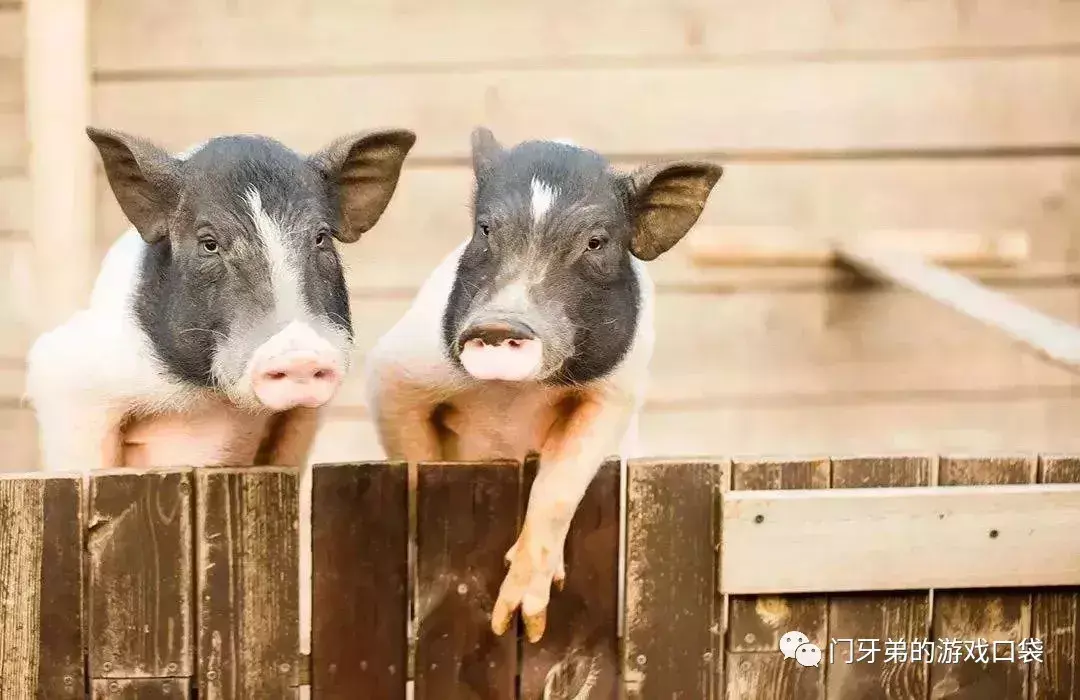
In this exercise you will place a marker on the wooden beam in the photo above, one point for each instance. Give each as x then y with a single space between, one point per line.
1049 337
763 246
901 538
60 163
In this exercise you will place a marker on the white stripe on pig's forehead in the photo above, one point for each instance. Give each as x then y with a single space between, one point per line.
543 198
285 278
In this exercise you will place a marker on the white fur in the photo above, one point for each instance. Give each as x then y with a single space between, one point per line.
543 198
284 275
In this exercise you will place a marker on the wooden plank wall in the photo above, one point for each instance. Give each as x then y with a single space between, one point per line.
828 116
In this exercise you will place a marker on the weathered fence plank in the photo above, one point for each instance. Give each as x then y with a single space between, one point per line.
673 610
247 524
141 689
969 616
755 668
360 539
868 673
139 548
467 517
41 587
1055 615
578 656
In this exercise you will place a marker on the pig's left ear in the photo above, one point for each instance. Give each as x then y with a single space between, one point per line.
365 169
666 200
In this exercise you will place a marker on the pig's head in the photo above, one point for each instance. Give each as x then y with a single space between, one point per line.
241 288
545 289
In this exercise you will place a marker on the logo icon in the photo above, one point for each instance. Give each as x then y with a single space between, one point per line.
791 641
796 645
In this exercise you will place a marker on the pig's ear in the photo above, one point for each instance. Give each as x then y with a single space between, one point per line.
486 150
665 201
144 179
365 169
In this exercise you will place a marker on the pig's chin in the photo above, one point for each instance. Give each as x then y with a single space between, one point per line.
503 363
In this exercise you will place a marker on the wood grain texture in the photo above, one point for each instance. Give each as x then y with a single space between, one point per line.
1055 614
141 689
754 667
139 566
578 656
893 618
876 106
998 616
467 516
205 36
360 592
62 664
248 574
41 587
673 647
11 33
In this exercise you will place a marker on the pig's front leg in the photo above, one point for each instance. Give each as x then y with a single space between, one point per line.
291 438
568 462
403 417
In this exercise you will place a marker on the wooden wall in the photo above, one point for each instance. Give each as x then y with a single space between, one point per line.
828 115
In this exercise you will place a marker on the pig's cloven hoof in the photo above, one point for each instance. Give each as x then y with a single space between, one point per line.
534 567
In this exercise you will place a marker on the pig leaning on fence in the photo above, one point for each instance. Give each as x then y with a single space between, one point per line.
219 325
534 336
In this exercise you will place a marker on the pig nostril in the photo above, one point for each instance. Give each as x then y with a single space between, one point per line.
514 343
277 375
322 374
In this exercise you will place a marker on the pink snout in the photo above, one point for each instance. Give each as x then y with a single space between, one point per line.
501 350
295 379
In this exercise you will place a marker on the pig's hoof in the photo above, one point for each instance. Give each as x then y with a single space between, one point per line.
528 585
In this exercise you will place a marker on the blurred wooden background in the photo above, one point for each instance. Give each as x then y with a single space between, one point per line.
831 116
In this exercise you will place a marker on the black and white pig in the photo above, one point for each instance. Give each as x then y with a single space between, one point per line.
534 336
219 324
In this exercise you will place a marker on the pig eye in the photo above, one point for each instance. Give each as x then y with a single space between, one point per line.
597 242
484 227
209 245
321 239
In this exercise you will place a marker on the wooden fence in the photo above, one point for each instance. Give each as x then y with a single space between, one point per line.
180 583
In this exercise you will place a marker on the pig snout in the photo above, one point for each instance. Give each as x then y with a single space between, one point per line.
503 349
295 368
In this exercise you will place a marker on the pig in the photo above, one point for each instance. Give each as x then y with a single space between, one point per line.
219 324
534 335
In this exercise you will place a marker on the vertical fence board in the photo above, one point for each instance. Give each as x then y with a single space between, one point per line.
755 667
466 521
1055 615
578 656
968 616
360 539
41 587
672 605
141 689
247 524
139 547
877 619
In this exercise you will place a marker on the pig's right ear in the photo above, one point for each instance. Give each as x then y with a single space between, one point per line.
365 169
486 150
144 179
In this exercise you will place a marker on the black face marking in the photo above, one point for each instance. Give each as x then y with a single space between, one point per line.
581 295
209 283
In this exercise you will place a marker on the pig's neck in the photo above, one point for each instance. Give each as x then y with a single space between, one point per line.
210 431
501 420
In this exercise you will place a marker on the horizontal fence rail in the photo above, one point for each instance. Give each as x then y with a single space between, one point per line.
914 577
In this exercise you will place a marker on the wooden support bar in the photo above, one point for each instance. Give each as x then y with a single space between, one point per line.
140 556
673 614
360 536
1049 337
41 620
762 246
61 165
248 568
901 538
578 656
